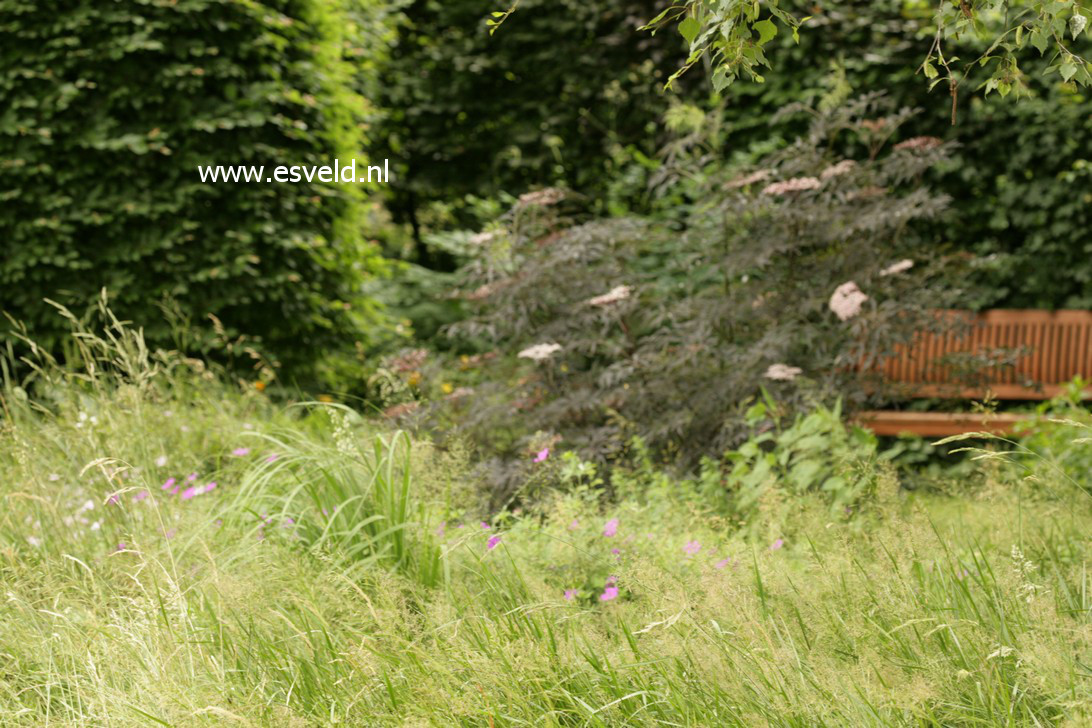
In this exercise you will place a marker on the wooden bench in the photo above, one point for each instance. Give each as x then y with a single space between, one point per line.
1003 354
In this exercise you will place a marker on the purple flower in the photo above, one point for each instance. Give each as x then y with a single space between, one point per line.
174 490
611 528
616 551
210 486
609 593
168 484
190 478
113 500
240 452
121 546
140 496
692 547
191 492
272 458
723 563
169 533
777 544
493 541
570 594
541 455
574 524
485 526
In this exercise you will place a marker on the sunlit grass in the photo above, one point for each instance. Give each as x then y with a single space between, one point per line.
327 580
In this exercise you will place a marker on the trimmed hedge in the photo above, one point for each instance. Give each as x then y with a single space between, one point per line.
106 110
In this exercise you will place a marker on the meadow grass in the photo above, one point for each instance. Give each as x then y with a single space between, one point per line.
334 575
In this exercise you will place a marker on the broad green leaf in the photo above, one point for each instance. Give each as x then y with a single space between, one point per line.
689 29
766 31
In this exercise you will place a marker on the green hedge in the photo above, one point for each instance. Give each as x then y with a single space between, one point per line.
106 110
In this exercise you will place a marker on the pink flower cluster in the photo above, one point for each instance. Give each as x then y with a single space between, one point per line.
847 301
796 184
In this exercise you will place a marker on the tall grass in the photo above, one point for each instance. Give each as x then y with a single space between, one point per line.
325 581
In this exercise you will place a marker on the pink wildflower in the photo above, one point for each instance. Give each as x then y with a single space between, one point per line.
541 455
777 544
611 528
574 524
140 496
570 594
485 526
191 477
169 533
441 529
609 593
692 547
272 458
240 451
210 486
169 484
191 492
493 541
723 563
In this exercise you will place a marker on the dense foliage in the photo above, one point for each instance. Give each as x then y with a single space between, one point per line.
794 274
1024 211
733 34
568 93
108 109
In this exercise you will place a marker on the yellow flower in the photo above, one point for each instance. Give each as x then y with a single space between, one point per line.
259 385
414 379
447 387
325 398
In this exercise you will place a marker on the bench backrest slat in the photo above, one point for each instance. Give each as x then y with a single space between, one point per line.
1014 353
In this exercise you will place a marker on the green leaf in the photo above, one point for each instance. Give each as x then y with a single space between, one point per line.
1040 40
1067 70
689 29
766 31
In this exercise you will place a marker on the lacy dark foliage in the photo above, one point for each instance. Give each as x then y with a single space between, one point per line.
666 331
